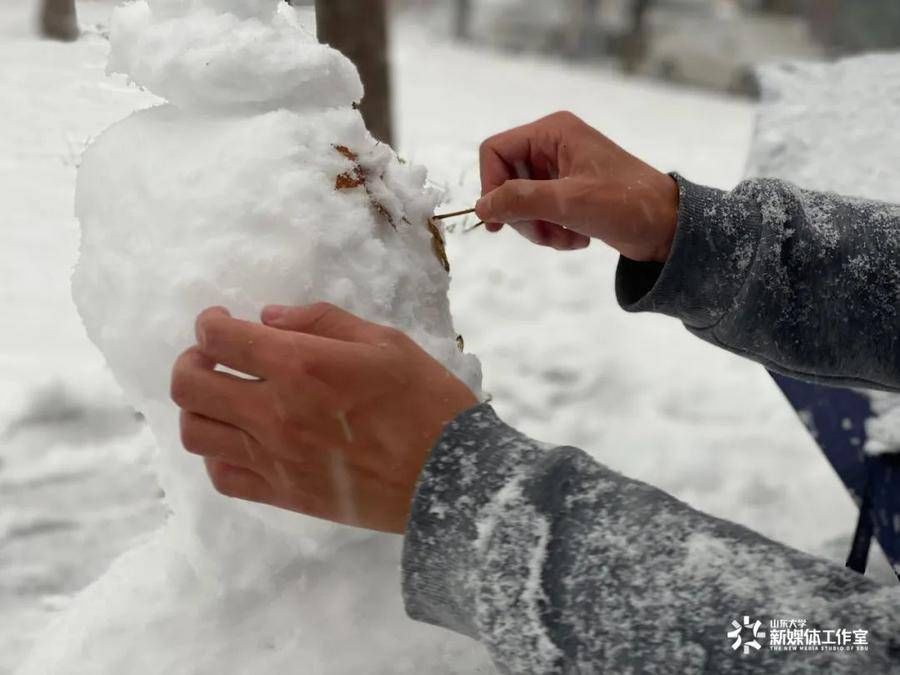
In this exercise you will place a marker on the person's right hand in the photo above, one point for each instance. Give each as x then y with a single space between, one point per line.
560 183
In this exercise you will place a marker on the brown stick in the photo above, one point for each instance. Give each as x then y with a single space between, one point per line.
444 216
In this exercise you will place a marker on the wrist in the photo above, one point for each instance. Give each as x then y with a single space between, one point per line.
666 218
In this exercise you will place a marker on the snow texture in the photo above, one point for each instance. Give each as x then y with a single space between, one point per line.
200 202
826 127
632 580
223 55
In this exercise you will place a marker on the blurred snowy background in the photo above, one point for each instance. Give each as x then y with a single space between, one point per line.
563 363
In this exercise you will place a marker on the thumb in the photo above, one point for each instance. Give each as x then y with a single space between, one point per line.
523 200
322 319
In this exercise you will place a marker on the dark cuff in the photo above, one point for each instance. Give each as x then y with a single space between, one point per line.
476 456
711 255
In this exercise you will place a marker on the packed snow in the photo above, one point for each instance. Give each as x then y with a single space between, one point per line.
222 56
562 362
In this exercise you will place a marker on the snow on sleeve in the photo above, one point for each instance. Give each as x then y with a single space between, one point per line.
513 535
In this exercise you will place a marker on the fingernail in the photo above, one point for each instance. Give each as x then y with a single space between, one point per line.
272 313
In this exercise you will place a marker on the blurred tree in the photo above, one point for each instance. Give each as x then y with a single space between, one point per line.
463 19
783 6
359 29
582 27
59 20
865 26
634 44
851 26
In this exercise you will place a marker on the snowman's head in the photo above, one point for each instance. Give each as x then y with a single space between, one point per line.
226 56
260 9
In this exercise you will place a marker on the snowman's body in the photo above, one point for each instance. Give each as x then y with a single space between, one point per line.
257 184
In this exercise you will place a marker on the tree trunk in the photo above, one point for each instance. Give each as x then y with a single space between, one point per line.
782 6
635 43
59 20
463 19
359 29
581 34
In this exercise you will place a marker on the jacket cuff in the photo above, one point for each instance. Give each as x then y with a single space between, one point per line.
710 258
475 458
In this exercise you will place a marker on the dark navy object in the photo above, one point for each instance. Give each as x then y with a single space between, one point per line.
837 420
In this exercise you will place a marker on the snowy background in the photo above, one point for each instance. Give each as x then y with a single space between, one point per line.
563 363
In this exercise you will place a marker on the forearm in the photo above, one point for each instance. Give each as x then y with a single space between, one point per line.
806 283
556 563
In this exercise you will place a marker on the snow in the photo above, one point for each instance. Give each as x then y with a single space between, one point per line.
197 57
562 361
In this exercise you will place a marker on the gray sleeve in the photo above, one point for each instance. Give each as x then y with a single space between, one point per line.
808 284
559 565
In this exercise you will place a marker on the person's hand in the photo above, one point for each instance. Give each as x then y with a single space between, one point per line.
338 423
560 183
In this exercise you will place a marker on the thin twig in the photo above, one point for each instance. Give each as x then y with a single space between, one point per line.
444 216
474 227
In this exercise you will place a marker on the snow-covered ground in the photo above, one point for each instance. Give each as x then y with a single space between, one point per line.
561 360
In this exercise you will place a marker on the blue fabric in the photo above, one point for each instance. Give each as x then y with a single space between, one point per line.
837 420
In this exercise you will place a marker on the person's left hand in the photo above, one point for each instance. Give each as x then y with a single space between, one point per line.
338 424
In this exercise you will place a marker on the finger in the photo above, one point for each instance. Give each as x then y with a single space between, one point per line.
495 168
534 147
525 200
241 345
553 236
216 440
528 151
324 320
199 389
502 158
237 482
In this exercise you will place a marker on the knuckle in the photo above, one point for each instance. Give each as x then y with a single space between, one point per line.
391 336
179 389
247 351
298 368
190 438
512 197
488 143
321 315
211 332
322 309
219 476
565 117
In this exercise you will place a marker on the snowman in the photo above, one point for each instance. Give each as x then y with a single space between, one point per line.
256 183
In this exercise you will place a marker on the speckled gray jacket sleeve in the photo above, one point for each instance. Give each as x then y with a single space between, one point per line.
806 283
558 565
